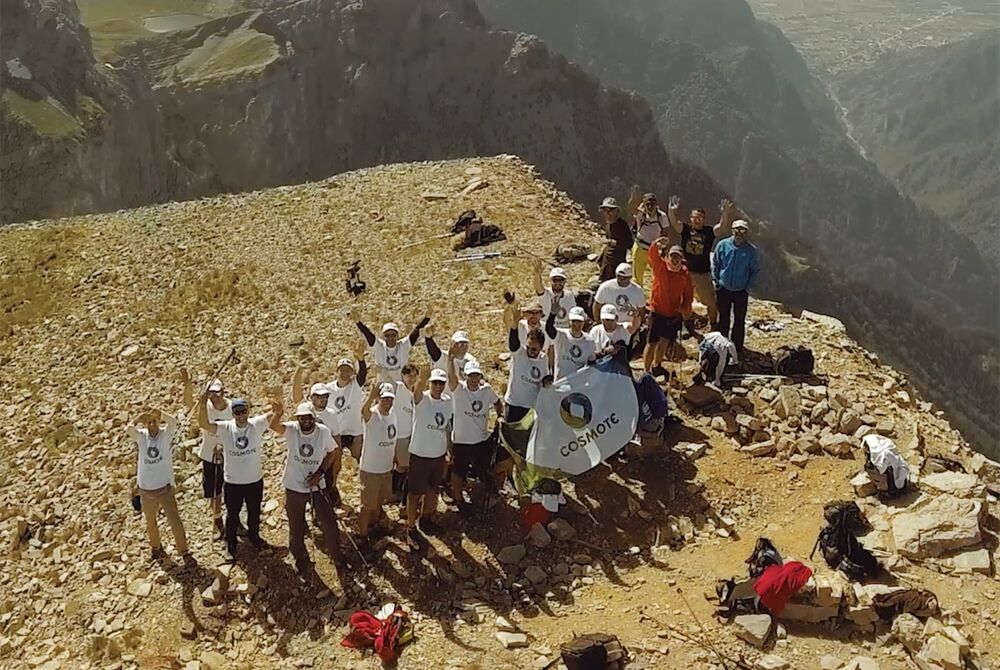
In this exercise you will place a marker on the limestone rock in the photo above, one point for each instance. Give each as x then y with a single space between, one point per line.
954 483
140 587
975 561
512 554
754 629
535 574
937 525
702 396
771 662
788 404
863 485
808 613
941 651
560 529
861 663
538 536
908 631
512 640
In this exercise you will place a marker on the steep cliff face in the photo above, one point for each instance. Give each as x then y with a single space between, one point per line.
930 119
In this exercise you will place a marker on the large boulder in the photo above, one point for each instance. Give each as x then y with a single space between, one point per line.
937 525
954 483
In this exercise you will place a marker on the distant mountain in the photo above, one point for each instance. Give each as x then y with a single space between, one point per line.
930 119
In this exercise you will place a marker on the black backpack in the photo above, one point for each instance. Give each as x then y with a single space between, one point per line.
764 554
595 651
840 548
794 361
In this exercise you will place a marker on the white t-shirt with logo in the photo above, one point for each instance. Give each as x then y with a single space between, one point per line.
472 412
403 408
442 363
379 448
526 376
346 401
603 339
567 301
390 361
155 469
522 333
432 422
572 353
328 418
610 293
208 441
305 454
242 450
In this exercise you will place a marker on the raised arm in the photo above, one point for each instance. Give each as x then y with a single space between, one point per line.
418 389
297 385
509 312
415 333
673 207
727 214
536 277
365 330
170 420
274 418
550 325
187 388
656 251
636 323
203 422
433 350
366 407
359 353
513 340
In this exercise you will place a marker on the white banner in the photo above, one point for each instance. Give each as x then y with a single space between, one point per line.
583 419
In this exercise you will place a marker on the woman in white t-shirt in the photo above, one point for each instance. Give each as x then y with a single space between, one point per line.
155 478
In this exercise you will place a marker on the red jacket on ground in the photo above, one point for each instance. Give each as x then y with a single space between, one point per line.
672 291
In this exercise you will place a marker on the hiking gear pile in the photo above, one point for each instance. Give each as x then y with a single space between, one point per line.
475 231
887 469
794 361
764 555
594 651
839 544
571 253
385 632
778 583
771 585
917 602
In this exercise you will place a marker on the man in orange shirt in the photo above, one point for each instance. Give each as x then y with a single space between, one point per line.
670 301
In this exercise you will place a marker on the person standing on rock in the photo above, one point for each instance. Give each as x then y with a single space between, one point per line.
378 456
573 347
243 466
670 300
619 239
529 365
472 449
319 397
309 453
153 433
459 344
608 335
697 241
557 298
211 449
650 224
735 267
625 295
346 396
433 416
389 352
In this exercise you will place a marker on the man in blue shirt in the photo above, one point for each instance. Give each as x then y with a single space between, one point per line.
735 265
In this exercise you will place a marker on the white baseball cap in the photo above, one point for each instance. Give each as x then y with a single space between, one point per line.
609 203
216 386
460 336
624 269
345 361
390 326
740 223
472 368
386 391
557 273
305 409
609 312
319 389
577 314
439 375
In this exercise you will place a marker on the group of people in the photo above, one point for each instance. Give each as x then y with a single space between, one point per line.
420 429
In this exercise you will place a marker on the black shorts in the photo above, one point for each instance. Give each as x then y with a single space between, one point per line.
353 444
513 413
664 327
425 474
476 459
211 479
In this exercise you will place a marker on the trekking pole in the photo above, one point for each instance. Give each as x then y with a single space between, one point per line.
523 250
429 239
343 528
704 633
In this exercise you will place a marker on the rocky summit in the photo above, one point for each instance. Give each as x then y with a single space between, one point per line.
102 312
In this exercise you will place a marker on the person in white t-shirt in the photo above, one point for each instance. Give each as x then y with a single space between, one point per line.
623 293
346 396
529 366
309 451
474 450
377 458
573 347
242 441
557 298
319 396
433 416
460 344
210 452
389 352
532 320
155 478
403 409
608 335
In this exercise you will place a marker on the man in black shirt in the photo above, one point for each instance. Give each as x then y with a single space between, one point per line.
619 236
697 240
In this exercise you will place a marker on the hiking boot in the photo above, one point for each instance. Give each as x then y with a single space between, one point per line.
158 554
413 539
304 568
428 526
230 553
241 530
466 510
190 562
220 530
259 543
379 531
